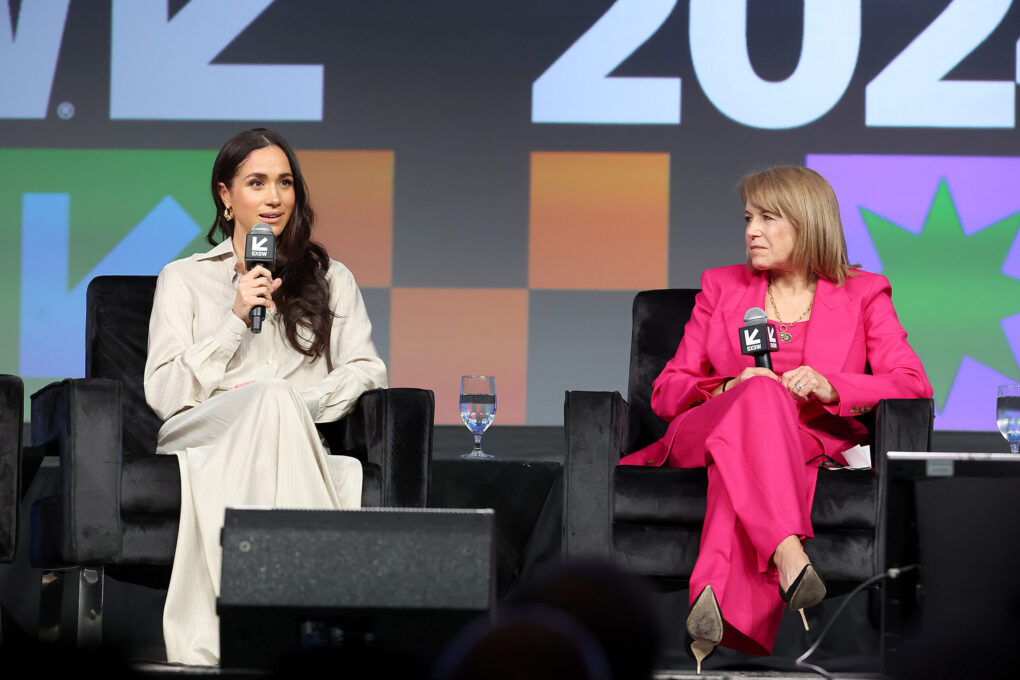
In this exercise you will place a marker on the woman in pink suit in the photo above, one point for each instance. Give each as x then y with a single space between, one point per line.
762 433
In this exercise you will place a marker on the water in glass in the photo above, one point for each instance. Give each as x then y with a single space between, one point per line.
1007 414
477 411
477 408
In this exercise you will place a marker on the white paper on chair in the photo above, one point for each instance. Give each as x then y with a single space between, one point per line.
858 458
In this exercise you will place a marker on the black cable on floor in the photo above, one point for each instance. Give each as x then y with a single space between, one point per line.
801 661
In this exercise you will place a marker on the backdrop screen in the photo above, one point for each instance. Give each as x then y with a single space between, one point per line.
502 177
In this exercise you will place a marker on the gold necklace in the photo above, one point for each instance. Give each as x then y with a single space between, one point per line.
784 328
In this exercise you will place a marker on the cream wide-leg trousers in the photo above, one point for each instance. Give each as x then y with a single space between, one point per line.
253 446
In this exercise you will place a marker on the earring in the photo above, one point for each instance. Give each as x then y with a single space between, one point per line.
228 213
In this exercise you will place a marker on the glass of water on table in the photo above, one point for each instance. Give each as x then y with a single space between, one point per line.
477 408
1007 414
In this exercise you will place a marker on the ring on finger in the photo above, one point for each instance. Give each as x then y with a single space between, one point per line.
798 386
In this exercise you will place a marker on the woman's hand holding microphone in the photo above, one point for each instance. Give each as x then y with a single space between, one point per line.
255 289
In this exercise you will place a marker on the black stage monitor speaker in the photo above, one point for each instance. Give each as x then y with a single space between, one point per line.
357 584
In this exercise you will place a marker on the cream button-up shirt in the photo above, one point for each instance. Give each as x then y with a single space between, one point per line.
199 348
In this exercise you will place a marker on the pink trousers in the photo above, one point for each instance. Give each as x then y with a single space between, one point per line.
760 489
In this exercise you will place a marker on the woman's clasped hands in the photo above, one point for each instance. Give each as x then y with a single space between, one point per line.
255 289
806 383
803 382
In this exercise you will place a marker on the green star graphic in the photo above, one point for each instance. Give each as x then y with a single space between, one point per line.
949 289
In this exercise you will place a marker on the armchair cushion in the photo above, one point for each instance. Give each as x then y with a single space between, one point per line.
845 498
150 485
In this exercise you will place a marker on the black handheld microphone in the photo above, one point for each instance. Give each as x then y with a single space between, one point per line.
758 337
259 248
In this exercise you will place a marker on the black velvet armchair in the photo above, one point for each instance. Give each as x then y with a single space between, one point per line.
650 518
115 503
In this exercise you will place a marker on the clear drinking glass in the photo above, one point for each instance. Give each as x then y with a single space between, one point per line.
1007 414
477 408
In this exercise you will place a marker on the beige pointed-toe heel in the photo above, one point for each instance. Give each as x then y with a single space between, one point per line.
704 625
806 591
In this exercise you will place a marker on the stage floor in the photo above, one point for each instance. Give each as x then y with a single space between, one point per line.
164 670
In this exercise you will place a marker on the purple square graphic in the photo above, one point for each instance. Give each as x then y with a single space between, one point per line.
901 189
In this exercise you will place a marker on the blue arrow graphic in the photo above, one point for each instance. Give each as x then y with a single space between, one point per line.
52 316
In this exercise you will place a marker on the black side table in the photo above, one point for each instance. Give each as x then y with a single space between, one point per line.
958 516
525 497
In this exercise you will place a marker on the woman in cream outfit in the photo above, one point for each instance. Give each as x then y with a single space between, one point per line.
240 408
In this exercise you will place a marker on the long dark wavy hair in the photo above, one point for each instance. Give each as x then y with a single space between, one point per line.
303 297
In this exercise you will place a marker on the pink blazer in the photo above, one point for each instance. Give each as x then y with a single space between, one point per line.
852 326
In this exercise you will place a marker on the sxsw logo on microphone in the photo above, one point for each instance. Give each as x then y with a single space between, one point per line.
260 246
753 339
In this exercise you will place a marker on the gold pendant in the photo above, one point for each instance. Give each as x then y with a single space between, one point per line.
785 337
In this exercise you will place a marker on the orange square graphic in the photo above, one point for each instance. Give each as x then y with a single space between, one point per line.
352 195
599 221
439 334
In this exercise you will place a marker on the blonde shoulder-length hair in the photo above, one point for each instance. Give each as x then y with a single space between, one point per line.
805 199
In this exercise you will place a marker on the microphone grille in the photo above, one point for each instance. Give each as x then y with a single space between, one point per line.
755 316
261 228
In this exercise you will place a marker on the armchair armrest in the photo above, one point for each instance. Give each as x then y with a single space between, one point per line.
900 425
903 425
595 427
12 399
80 420
390 428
